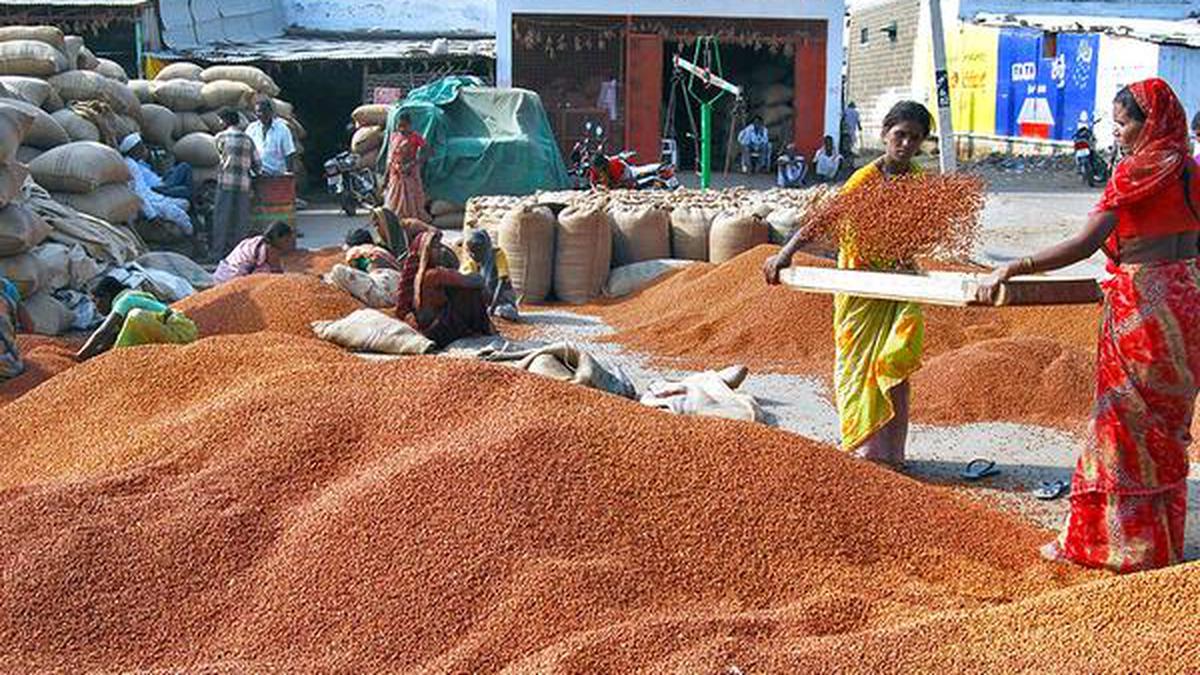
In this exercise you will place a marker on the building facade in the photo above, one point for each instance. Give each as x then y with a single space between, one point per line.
612 62
1021 81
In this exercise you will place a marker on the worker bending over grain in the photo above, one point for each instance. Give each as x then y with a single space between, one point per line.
442 303
1129 491
134 318
258 254
482 258
878 343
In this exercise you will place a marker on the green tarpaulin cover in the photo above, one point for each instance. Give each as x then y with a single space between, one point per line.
482 141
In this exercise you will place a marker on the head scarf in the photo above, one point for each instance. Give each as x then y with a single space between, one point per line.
479 247
418 260
1158 158
130 142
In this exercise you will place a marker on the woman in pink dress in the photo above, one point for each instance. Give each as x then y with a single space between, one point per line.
257 255
406 155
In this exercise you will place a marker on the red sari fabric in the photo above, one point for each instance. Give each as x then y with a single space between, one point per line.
406 191
1129 491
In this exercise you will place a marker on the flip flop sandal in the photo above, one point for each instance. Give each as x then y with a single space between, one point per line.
1050 490
978 469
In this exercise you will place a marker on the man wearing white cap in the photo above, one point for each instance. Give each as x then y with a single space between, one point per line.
163 198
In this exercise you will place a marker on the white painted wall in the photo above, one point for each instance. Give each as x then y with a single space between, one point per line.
831 11
1123 61
1139 9
1180 67
409 16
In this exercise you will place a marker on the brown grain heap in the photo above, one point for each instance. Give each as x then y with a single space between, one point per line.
264 502
315 262
284 303
44 358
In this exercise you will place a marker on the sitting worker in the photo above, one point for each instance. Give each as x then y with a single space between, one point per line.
828 162
756 147
12 318
134 318
396 234
164 198
488 261
371 273
442 303
792 168
258 254
610 173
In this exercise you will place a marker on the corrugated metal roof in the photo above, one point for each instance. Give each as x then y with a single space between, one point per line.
298 49
1185 32
74 3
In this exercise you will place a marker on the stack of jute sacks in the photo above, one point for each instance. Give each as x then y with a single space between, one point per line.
50 251
181 103
564 245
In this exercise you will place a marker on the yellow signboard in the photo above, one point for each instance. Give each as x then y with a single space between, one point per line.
972 56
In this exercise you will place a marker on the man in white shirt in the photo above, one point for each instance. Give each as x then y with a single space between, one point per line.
851 125
828 162
756 146
273 139
155 192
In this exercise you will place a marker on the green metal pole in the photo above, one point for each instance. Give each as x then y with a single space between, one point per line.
705 145
137 47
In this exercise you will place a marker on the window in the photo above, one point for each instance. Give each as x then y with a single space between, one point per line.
1049 45
891 30
865 36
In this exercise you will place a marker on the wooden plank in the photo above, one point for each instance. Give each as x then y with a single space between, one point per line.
955 289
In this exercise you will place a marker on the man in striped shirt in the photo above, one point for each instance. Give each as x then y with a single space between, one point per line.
239 161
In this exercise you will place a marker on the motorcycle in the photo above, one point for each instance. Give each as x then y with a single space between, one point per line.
354 185
1089 161
589 144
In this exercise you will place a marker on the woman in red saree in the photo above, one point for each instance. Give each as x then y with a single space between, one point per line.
438 301
406 154
1129 491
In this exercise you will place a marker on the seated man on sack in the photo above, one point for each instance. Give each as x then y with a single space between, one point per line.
792 168
828 162
756 147
163 197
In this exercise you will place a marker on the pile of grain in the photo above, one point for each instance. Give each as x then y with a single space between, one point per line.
283 303
44 358
264 502
711 316
316 262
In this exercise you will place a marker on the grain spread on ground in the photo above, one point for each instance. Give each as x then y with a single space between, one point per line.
284 303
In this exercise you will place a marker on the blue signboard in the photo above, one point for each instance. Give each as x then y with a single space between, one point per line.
1045 97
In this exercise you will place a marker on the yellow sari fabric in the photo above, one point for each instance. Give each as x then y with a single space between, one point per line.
143 327
878 343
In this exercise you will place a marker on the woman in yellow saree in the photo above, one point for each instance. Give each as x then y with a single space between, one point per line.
878 342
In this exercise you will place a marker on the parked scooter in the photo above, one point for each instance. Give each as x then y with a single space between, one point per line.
354 185
657 176
589 144
1089 160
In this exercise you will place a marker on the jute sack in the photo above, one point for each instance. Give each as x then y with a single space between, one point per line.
179 95
50 35
368 160
24 271
527 239
285 109
79 167
777 94
630 279
31 58
255 78
32 89
85 85
73 43
448 221
582 253
158 125
181 70
112 70
14 124
189 123
12 179
776 114
366 139
55 261
143 90
114 203
370 330
734 233
20 230
639 233
226 93
48 315
26 154
690 226
783 224
87 60
298 130
44 133
198 149
439 207
77 128
374 115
